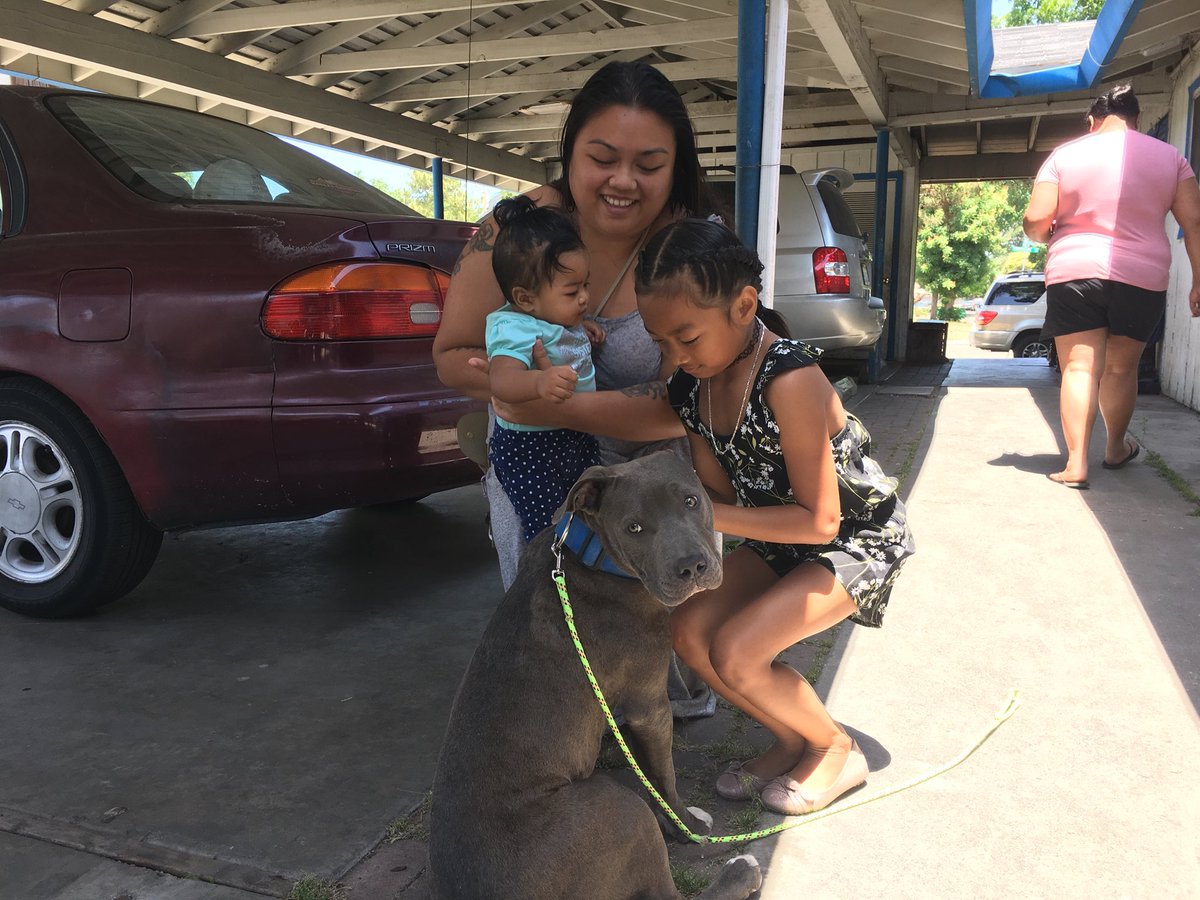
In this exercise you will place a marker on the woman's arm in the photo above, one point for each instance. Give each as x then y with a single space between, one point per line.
472 295
1039 215
637 413
800 400
1186 209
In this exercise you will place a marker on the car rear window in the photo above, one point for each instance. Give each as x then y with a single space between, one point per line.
170 154
840 215
1022 292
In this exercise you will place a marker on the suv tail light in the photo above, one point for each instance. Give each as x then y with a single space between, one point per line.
831 270
356 301
984 316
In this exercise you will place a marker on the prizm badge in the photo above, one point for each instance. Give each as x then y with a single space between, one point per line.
411 248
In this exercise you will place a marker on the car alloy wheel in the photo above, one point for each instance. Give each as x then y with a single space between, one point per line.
40 505
72 537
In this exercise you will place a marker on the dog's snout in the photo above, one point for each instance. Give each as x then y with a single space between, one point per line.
691 568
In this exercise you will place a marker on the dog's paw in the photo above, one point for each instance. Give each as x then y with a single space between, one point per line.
702 822
740 877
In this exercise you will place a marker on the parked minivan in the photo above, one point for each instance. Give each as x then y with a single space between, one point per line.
822 264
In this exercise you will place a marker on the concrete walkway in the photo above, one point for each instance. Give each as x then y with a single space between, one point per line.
1086 601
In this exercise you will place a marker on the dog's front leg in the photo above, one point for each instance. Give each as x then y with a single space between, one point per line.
649 732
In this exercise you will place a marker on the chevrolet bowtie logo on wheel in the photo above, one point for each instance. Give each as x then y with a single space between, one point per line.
15 503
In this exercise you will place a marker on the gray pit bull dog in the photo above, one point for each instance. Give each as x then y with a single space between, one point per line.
519 812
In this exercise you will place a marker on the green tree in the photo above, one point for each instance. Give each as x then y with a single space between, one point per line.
1042 12
962 233
462 200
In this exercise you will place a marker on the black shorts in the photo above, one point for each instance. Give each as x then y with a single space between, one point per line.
1090 303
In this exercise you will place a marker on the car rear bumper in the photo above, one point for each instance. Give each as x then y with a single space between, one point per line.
333 457
832 321
991 340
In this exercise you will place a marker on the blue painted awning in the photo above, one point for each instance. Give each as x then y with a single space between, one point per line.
1111 27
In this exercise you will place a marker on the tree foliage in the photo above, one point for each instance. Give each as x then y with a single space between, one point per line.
461 200
963 229
1042 12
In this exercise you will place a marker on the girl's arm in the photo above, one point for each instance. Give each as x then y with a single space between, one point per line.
712 476
802 401
1039 215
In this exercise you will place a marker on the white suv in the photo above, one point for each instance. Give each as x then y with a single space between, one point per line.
822 264
1012 315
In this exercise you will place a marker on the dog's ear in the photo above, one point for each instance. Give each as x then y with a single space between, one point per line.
587 493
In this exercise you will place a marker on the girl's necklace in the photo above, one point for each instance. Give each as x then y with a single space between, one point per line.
757 342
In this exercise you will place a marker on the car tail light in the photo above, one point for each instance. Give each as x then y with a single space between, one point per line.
984 316
831 270
356 301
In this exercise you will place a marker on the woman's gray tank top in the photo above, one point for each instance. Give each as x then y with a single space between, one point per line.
627 357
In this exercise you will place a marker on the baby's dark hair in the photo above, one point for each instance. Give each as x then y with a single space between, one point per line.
530 242
705 261
1118 101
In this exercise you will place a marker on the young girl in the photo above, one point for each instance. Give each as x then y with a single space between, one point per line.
788 469
542 268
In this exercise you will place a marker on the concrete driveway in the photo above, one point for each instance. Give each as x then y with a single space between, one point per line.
264 705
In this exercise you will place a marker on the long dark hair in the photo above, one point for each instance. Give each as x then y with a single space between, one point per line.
1118 101
530 243
638 85
706 261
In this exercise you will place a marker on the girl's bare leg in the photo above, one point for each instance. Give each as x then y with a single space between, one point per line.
694 626
805 602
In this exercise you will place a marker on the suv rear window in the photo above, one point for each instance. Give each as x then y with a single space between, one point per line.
169 154
1019 292
840 215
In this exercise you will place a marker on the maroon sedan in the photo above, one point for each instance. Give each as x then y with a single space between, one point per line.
199 324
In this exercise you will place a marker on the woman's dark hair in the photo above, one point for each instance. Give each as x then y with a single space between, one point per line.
1118 101
638 85
530 243
706 261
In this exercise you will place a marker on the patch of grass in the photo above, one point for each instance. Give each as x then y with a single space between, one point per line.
311 887
1174 479
689 880
702 794
746 819
732 749
414 826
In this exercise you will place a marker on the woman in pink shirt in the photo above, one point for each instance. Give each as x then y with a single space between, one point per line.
1100 201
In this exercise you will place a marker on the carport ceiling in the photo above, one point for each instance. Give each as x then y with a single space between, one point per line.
484 86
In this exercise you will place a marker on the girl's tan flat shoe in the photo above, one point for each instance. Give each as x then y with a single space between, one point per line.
787 796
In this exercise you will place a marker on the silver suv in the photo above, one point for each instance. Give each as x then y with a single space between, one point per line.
1012 315
822 264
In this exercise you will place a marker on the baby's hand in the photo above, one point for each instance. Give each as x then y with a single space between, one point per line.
594 332
557 384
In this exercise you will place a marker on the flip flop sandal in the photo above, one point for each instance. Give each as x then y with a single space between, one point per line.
1075 485
1137 448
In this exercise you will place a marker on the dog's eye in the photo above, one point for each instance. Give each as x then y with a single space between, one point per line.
690 502
634 528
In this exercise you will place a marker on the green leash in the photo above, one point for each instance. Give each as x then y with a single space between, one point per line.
560 581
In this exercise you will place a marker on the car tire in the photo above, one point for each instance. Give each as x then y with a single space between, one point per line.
1032 346
72 537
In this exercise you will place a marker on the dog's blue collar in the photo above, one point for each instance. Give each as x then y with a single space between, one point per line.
576 536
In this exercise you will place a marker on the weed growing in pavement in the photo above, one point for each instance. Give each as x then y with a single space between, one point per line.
414 826
689 880
1174 479
824 646
311 887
